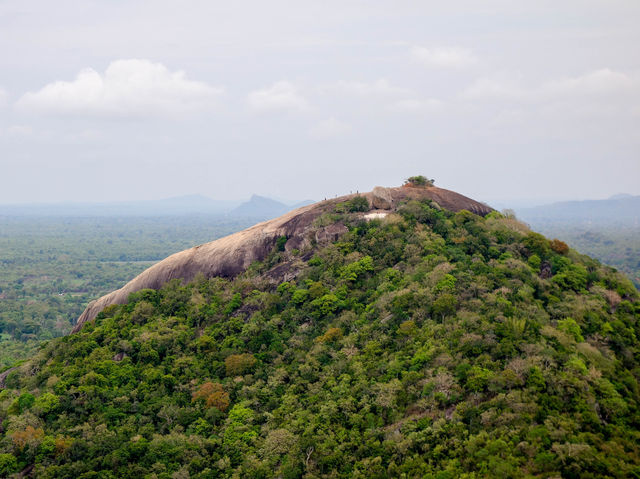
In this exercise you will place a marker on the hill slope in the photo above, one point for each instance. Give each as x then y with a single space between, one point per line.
233 254
425 343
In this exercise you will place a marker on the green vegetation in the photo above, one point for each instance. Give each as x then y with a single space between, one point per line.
419 181
51 268
617 245
427 344
354 205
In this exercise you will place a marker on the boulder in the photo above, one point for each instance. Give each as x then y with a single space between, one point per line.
331 233
381 198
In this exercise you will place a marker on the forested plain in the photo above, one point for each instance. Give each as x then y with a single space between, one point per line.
426 344
50 268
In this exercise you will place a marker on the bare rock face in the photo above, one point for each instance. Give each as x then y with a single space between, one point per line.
545 270
3 376
330 233
119 357
231 255
225 257
381 198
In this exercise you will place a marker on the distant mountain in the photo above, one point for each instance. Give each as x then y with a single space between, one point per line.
619 208
620 196
265 208
178 206
259 207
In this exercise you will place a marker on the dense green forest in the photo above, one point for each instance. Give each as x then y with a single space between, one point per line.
50 268
616 244
426 344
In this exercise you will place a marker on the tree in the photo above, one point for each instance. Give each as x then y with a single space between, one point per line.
332 334
46 403
29 437
8 464
237 364
240 432
358 203
419 180
559 247
569 326
213 395
444 305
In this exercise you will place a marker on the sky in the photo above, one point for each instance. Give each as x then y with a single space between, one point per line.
505 102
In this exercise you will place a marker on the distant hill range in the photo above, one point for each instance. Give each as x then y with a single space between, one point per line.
621 208
179 205
262 207
257 207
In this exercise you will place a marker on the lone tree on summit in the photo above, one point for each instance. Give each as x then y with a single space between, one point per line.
419 181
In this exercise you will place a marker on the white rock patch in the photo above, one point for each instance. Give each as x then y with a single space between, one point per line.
375 216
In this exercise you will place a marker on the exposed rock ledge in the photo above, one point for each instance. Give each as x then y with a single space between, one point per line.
232 254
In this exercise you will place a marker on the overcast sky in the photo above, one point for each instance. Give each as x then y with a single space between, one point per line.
123 100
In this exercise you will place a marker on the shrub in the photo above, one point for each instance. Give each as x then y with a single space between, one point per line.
358 203
280 242
419 180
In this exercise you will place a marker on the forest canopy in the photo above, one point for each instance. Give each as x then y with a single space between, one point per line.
425 344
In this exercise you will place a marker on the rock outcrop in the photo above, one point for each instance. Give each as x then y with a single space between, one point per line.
231 255
381 198
3 376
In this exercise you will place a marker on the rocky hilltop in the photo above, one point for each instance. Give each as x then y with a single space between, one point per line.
429 343
232 254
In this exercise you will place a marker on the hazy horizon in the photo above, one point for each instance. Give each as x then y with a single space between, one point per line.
128 101
230 204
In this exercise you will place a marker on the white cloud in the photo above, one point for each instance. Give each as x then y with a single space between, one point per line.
444 57
127 88
19 131
3 97
281 96
598 82
594 85
330 128
496 87
597 104
383 94
417 105
380 87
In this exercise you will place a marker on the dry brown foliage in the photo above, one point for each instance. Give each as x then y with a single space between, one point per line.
30 436
558 246
213 395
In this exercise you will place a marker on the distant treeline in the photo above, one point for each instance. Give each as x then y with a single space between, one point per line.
50 268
